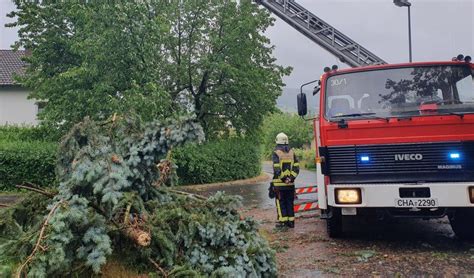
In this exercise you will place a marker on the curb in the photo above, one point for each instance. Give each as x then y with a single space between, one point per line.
262 178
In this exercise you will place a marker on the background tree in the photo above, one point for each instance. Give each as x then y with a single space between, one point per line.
157 58
299 131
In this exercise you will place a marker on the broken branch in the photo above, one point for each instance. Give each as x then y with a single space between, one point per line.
199 197
157 266
40 238
34 189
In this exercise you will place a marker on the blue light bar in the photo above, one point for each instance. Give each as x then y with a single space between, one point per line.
364 158
455 155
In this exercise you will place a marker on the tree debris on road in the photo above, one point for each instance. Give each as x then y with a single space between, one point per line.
113 200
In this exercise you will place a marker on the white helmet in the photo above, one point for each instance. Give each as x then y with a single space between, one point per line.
281 139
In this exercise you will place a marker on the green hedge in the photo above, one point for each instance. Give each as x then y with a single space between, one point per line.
26 162
218 161
25 133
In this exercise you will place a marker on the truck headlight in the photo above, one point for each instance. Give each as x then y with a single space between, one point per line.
348 196
471 194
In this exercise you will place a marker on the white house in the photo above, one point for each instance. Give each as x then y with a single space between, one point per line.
15 107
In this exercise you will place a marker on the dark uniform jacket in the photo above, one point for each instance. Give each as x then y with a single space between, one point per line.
285 167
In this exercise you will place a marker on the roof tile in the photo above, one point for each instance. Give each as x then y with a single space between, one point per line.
11 64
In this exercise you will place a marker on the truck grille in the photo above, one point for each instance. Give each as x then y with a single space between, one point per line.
423 162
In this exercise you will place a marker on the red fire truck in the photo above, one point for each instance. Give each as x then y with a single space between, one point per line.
396 140
392 140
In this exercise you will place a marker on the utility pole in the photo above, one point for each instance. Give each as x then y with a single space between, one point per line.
406 3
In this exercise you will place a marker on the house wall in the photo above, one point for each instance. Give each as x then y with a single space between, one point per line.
16 108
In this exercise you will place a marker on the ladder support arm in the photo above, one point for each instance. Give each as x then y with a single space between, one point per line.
320 32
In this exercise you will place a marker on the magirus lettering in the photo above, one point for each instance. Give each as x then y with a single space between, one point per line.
408 156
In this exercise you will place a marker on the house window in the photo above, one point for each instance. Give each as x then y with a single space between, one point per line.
41 105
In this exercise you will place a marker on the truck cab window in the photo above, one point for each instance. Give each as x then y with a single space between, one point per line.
463 86
400 92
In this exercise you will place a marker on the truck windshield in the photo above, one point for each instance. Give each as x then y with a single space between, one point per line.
402 92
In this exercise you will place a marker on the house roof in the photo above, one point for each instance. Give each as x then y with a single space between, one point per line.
11 64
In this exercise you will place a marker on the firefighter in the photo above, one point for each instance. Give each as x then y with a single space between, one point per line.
285 171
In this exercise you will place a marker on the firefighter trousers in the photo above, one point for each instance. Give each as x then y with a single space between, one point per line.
285 199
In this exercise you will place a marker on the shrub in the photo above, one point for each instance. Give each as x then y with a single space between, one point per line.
306 158
25 133
27 162
299 131
218 161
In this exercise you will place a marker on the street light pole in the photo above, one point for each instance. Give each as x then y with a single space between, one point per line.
409 32
406 3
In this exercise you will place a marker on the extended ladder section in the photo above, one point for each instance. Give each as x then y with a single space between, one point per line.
347 50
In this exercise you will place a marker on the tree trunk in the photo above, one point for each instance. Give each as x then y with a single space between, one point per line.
140 237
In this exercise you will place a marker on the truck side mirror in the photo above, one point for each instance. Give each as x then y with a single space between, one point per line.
302 104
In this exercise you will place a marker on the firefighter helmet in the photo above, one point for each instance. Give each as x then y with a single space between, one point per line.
282 139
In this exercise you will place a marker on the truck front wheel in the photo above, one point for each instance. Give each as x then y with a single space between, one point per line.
462 222
334 223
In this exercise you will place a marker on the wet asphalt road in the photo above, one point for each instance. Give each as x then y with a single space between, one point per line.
256 196
8 199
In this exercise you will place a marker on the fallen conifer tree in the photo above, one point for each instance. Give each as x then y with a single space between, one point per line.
113 200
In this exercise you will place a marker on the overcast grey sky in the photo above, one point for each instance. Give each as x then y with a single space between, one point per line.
441 30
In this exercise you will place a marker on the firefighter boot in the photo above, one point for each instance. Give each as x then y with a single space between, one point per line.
281 226
290 224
